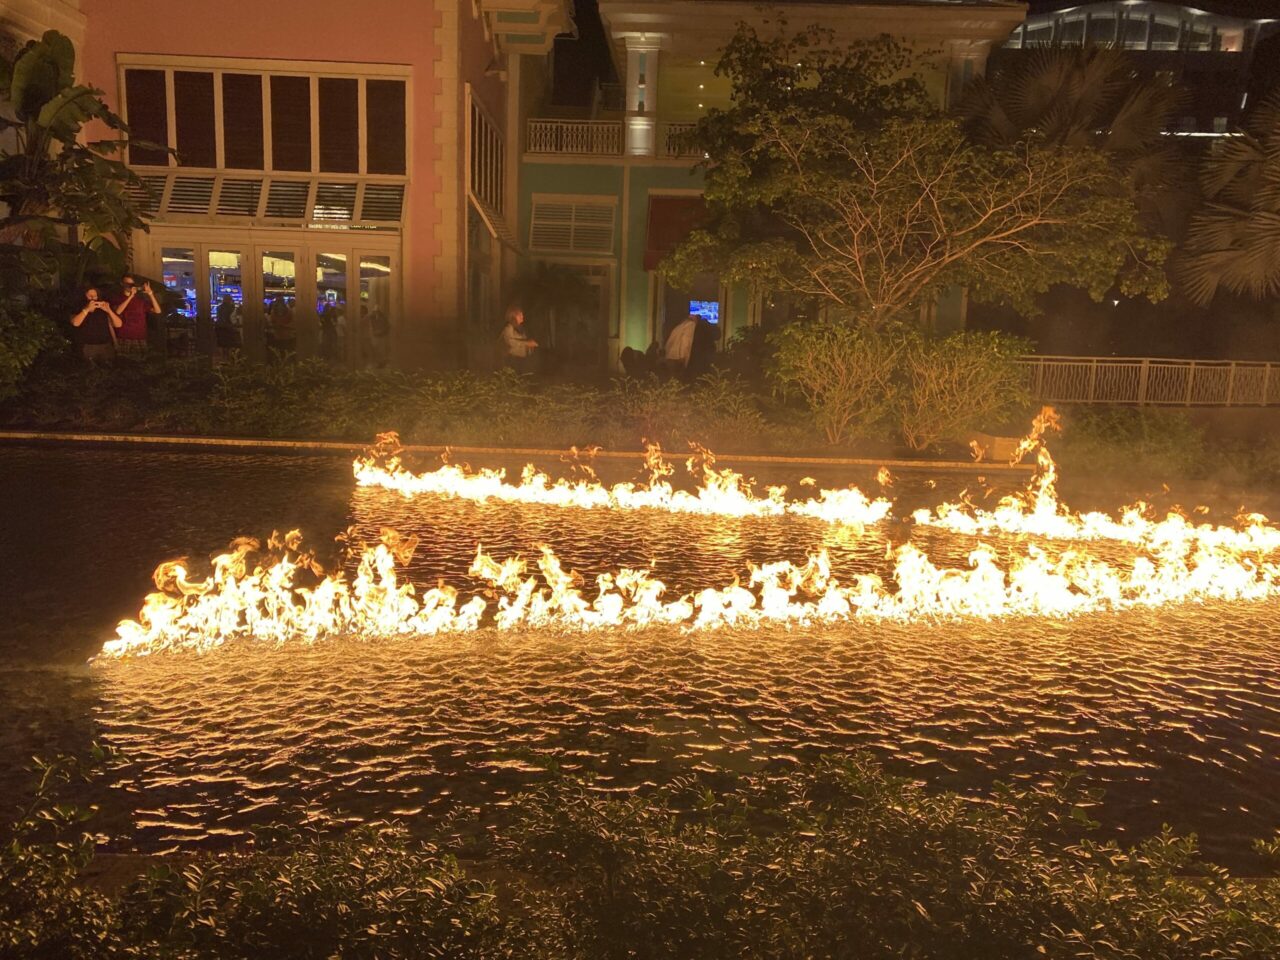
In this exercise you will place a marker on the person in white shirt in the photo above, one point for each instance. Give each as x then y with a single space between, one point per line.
680 344
517 346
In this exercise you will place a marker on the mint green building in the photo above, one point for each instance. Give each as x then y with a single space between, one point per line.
607 193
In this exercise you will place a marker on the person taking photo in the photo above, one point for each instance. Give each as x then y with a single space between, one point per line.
95 326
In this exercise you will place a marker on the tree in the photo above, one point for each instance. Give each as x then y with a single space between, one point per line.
1233 242
833 176
68 208
1079 96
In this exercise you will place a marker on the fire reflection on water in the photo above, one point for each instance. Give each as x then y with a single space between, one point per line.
279 591
1173 710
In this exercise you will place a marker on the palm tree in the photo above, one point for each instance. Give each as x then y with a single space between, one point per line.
1078 96
1233 241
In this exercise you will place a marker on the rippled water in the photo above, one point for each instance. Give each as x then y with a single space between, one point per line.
1175 713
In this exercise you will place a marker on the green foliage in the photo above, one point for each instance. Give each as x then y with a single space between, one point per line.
1073 95
1233 239
23 334
860 382
46 911
313 400
369 893
1160 444
827 860
847 374
831 177
959 384
840 859
68 208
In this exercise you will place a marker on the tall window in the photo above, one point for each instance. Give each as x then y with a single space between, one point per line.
241 119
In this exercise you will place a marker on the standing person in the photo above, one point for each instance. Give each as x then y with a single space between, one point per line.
379 326
703 350
517 346
134 306
96 325
680 344
225 335
280 330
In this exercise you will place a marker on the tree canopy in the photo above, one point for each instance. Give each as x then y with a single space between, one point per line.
833 175
1233 241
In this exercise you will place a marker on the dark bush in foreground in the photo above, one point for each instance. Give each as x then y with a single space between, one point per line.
834 860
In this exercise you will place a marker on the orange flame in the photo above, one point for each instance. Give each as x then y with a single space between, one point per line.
720 491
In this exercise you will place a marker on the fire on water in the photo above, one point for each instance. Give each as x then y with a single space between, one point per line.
284 596
279 592
1035 512
720 492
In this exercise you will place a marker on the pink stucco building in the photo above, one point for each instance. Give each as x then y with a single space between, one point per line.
330 155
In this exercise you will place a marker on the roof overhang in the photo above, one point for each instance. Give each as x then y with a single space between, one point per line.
701 27
528 26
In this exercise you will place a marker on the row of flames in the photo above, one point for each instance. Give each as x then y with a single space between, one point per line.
279 592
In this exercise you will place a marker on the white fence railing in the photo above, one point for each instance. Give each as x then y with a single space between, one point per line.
1145 381
601 138
582 138
674 143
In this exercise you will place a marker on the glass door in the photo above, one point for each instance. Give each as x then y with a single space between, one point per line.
273 327
224 321
379 311
331 314
181 300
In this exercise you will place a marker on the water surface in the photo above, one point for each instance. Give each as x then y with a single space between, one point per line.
1175 713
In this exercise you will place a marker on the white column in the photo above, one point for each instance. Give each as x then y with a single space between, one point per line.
642 94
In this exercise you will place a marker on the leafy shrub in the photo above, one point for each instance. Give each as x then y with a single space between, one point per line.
23 334
861 382
372 892
839 859
845 371
1131 440
953 386
833 859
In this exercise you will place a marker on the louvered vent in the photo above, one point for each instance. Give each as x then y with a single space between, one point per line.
383 202
593 227
190 195
575 227
335 202
239 198
287 199
147 194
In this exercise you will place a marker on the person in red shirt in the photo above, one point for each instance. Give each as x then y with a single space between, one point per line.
133 306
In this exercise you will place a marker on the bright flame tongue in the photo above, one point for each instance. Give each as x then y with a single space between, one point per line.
1039 512
720 492
286 596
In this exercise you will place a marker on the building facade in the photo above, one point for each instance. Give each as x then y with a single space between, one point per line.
609 192
404 158
333 157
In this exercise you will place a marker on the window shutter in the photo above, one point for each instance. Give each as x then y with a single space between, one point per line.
572 226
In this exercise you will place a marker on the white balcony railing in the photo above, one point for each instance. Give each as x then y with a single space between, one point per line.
578 138
1145 381
602 138
674 143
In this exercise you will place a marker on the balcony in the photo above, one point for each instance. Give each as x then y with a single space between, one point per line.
600 138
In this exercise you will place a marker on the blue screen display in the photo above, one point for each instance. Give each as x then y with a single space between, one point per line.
709 310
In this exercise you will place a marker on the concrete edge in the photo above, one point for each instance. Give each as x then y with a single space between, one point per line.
345 447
